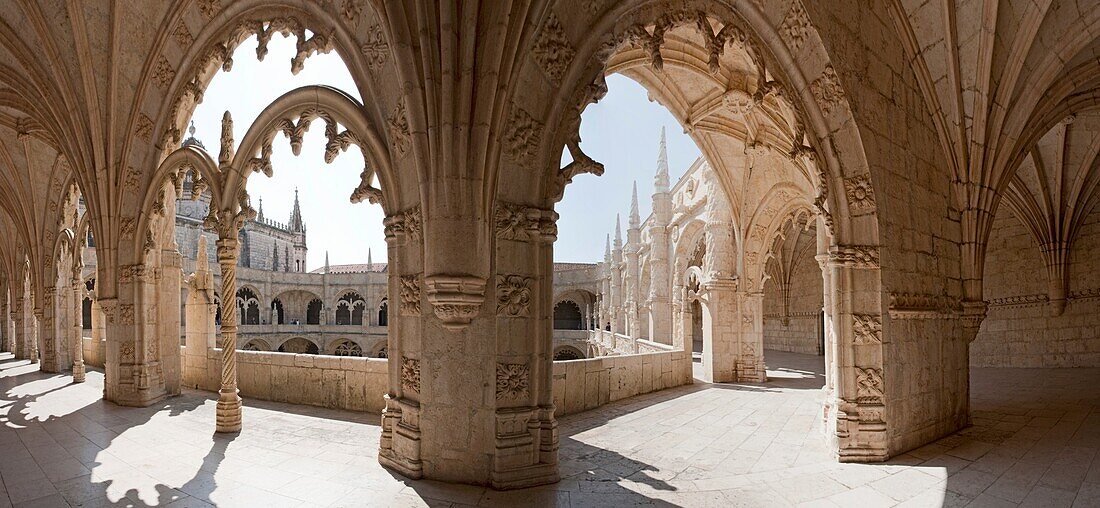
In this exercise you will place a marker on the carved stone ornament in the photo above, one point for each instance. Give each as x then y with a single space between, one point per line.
183 35
869 386
126 314
855 256
524 223
410 295
163 73
456 299
514 295
861 197
126 351
513 380
144 127
552 51
410 374
826 89
795 27
867 329
398 129
918 306
524 132
209 8
375 49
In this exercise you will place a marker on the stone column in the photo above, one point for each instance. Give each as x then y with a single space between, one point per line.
6 343
133 371
168 316
471 362
861 432
34 322
229 401
750 359
19 336
201 336
76 332
721 315
47 321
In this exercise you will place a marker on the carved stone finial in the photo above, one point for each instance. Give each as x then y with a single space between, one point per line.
226 153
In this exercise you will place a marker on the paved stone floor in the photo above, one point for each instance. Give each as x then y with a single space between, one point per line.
1034 442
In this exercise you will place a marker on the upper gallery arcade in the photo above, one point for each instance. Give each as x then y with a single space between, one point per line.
888 168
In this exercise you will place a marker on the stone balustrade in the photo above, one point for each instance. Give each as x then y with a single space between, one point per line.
580 385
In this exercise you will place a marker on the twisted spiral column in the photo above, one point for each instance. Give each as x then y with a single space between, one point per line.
229 402
77 325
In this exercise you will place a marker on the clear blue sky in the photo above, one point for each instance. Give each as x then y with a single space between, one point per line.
621 131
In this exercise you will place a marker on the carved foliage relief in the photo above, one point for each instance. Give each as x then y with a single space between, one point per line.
410 374
861 197
552 51
410 295
513 380
867 329
514 295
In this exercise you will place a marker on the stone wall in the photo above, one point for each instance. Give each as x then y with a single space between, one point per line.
1019 330
95 352
338 382
580 385
798 328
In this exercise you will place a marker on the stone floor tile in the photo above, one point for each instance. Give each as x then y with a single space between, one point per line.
50 501
1046 497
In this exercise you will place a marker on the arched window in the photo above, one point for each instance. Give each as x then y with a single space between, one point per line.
384 352
86 313
383 313
254 345
348 348
567 353
248 306
349 309
567 316
313 312
298 345
277 309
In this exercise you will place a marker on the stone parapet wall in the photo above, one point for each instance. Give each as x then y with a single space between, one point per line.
337 382
580 385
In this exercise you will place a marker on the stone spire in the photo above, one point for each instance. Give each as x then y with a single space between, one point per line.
296 215
607 250
635 219
326 261
618 233
660 181
370 263
201 266
260 214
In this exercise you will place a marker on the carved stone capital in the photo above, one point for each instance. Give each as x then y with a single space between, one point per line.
456 299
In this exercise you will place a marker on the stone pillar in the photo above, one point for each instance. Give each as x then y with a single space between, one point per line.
5 320
721 312
168 317
76 328
201 335
47 320
34 333
19 336
471 362
229 401
750 354
860 381
133 370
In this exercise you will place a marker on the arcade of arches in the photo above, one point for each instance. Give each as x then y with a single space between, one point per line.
897 198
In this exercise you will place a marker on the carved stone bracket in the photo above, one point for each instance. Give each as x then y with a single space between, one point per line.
524 223
855 256
456 299
917 306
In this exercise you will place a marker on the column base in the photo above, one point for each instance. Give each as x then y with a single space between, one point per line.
861 433
399 448
79 373
229 412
